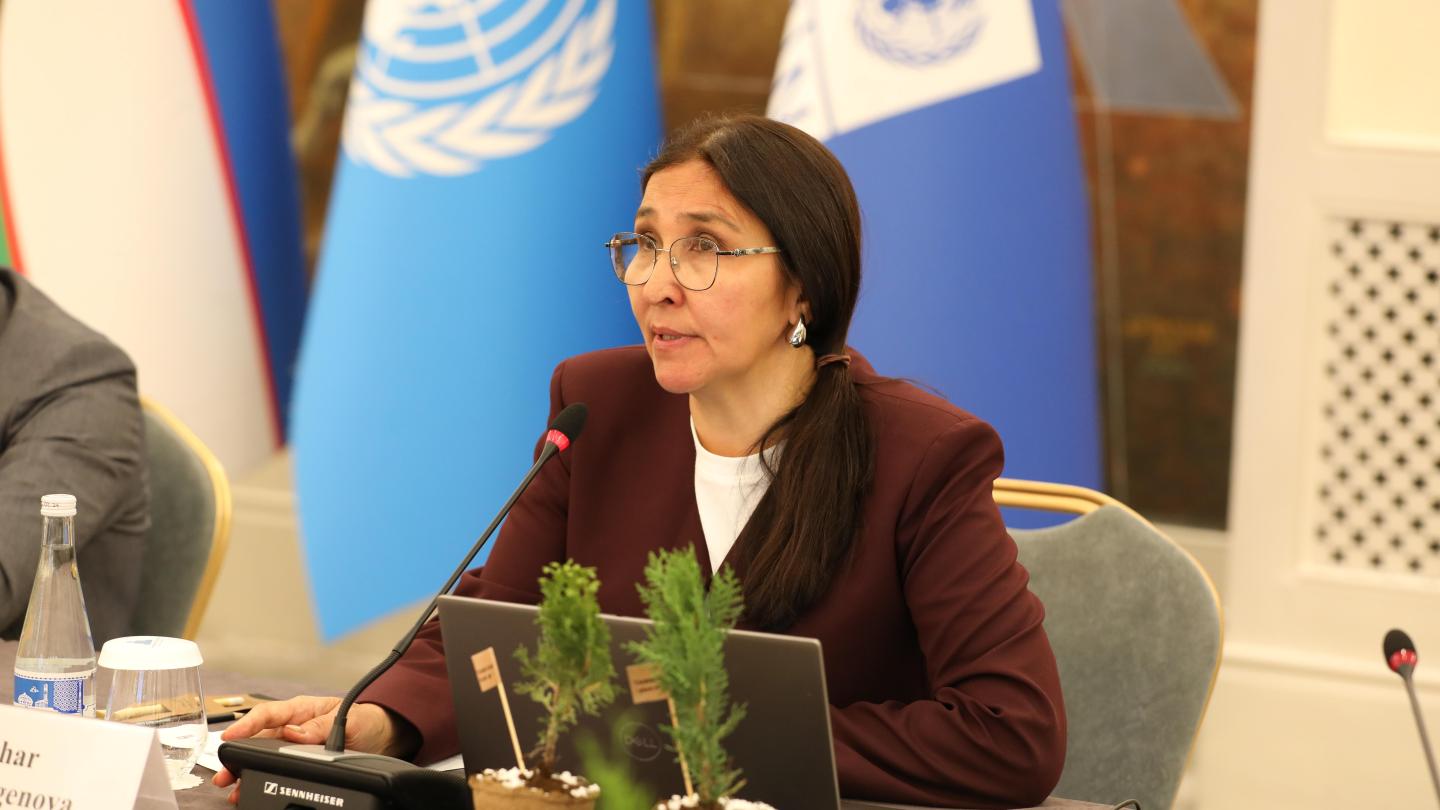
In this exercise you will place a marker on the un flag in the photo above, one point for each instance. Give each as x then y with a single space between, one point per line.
954 120
488 150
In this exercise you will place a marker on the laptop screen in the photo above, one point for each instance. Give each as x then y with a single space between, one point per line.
783 745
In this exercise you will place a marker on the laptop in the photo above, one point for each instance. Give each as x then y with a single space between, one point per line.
783 745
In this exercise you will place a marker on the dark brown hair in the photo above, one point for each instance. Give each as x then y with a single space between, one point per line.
802 530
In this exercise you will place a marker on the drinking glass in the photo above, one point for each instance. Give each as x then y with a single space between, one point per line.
155 682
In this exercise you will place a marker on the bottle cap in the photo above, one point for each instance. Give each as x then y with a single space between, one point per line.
138 653
57 506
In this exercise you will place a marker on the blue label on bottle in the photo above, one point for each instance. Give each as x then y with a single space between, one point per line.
60 693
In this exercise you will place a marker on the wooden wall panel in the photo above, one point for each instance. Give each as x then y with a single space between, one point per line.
716 56
1177 198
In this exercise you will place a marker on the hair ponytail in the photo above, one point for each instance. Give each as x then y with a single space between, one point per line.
809 517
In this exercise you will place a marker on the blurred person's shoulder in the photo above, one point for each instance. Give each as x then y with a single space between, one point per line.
43 348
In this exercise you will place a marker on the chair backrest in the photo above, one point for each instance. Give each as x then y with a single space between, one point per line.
1136 626
189 527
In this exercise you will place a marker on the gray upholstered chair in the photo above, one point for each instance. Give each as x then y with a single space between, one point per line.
1136 627
189 527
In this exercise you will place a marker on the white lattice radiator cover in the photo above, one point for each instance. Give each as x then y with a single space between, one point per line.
1378 488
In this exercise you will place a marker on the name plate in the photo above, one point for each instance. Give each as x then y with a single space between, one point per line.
56 762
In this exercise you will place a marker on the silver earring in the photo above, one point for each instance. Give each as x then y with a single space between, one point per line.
797 337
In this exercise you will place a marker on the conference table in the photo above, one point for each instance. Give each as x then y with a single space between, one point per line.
215 682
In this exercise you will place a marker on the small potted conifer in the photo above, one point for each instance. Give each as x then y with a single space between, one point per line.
686 646
570 672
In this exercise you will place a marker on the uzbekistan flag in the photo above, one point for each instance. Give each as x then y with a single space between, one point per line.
149 189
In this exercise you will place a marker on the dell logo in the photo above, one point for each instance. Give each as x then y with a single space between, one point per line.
641 742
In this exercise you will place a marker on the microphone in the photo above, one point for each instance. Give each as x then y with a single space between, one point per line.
1401 656
279 772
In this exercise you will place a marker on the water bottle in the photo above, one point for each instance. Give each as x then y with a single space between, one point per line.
55 664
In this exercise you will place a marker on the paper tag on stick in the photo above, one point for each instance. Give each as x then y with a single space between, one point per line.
487 670
644 684
487 674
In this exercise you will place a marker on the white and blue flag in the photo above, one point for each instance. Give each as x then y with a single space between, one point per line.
955 122
490 147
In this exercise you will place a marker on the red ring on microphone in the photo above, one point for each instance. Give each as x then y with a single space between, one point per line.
1402 658
561 441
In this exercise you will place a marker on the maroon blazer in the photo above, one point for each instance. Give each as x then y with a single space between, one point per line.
942 684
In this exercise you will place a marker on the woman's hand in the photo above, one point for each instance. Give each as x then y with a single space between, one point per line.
307 720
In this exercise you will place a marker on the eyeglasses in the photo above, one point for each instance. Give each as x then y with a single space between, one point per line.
695 260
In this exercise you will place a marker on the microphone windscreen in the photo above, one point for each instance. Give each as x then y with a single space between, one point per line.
571 420
1395 641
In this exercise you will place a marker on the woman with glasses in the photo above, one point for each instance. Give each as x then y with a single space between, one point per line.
855 509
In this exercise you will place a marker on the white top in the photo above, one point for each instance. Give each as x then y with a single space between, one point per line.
57 506
727 490
143 653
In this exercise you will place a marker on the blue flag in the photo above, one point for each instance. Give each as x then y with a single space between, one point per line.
954 120
489 150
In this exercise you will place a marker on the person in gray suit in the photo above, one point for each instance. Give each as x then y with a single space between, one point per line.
70 421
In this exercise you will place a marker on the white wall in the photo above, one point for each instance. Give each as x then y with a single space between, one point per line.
1336 476
1380 82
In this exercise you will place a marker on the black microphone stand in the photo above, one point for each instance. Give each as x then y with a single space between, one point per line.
1401 656
1424 738
276 773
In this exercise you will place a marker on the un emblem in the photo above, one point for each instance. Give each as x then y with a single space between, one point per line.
443 86
919 32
